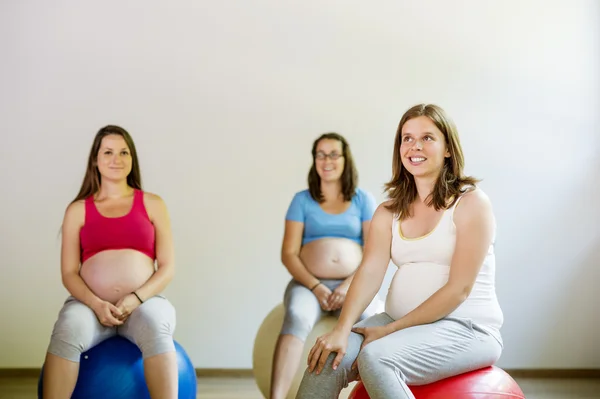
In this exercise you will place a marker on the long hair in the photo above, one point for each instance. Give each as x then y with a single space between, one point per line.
91 180
451 182
349 176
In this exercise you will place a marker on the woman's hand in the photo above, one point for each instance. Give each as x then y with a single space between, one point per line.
370 334
127 305
334 341
338 296
323 294
108 314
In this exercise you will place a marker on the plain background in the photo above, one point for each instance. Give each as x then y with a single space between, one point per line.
224 99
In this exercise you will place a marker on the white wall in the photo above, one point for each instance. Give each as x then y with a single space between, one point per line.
224 99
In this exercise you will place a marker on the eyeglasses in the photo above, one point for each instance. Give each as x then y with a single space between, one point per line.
333 156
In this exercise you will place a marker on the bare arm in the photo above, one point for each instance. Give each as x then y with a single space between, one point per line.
474 222
366 225
290 254
165 253
71 256
369 275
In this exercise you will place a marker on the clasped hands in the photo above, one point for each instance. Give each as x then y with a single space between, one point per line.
331 300
115 315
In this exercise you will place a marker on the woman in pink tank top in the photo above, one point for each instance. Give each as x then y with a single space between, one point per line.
116 259
443 318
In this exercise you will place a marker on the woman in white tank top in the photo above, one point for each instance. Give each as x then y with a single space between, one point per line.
442 316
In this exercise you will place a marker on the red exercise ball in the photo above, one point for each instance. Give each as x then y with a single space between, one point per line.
487 383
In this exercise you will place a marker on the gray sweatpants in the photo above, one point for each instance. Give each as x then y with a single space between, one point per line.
77 329
303 310
414 356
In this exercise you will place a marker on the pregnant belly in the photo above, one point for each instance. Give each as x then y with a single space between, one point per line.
331 258
413 284
113 274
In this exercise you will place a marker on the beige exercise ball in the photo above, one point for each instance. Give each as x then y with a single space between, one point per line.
264 347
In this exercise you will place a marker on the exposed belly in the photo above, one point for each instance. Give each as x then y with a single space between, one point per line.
115 273
331 258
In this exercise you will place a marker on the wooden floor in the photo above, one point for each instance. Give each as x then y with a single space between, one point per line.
245 388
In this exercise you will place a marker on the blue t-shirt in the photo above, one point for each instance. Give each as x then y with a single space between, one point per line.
320 224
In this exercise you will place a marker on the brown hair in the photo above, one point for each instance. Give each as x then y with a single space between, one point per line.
401 189
91 180
349 176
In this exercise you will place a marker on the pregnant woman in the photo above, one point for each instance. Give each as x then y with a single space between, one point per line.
116 258
325 230
442 315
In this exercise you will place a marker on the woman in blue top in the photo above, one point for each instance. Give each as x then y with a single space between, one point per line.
325 231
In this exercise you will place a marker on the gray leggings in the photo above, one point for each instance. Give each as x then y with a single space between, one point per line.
303 311
414 356
77 329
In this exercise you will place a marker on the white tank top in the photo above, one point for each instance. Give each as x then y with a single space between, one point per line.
423 268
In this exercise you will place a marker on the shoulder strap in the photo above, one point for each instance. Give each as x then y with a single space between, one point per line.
138 198
457 201
138 203
91 212
471 188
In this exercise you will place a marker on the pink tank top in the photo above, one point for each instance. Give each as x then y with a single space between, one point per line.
132 231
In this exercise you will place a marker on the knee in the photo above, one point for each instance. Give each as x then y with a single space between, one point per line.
328 375
328 380
155 320
297 322
73 331
344 369
152 328
302 311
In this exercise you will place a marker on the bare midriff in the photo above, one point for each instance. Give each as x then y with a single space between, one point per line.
331 258
113 274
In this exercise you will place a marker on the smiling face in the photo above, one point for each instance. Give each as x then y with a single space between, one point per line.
329 160
114 160
423 147
332 162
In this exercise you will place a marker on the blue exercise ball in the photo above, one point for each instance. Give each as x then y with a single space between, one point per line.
115 369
